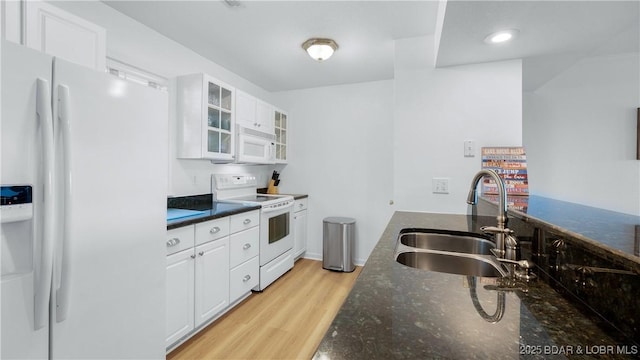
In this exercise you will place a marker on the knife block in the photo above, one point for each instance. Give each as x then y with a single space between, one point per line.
272 188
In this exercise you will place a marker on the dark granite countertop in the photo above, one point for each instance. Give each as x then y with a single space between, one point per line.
210 209
612 231
397 312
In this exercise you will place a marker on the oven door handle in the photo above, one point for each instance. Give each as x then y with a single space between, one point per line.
283 209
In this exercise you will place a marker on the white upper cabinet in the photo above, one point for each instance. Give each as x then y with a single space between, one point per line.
253 113
281 123
59 33
205 118
264 116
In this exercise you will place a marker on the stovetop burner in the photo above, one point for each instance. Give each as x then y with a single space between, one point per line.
258 198
243 188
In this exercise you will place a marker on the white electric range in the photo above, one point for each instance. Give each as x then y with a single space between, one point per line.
276 239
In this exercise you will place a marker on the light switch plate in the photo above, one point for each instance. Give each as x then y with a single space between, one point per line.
440 185
469 148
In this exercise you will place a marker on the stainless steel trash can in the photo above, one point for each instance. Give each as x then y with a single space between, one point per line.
338 241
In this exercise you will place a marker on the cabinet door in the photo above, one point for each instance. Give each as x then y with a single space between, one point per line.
243 278
179 296
212 279
300 233
280 129
264 117
246 110
219 124
243 246
59 33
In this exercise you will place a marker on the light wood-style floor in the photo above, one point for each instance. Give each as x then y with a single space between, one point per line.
286 321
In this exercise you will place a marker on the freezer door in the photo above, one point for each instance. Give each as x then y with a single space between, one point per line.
109 281
21 154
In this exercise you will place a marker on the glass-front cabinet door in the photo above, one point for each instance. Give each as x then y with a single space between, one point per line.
205 118
218 125
280 126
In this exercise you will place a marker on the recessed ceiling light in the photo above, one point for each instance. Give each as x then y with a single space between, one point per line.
320 49
501 36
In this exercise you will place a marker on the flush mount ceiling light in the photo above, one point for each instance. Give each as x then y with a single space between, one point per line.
320 49
502 36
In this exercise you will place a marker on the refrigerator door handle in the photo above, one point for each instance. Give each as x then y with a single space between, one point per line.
63 268
43 276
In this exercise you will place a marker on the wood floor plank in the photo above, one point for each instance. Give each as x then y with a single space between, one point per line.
286 321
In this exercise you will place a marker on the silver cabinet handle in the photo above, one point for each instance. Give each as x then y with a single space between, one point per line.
214 230
201 253
246 246
246 278
193 256
246 221
173 242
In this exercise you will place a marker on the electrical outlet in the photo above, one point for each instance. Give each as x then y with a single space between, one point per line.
440 185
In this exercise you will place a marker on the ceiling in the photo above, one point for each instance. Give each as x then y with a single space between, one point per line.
553 35
261 40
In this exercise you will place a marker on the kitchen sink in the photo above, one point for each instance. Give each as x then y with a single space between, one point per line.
450 263
450 241
453 252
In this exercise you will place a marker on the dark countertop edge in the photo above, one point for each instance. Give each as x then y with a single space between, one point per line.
371 277
558 229
202 218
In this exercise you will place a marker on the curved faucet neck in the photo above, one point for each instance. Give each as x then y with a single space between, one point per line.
472 199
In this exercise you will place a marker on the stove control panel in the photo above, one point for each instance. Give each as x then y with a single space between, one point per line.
226 182
279 205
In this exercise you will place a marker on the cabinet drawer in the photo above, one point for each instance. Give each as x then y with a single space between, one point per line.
300 204
243 278
212 230
245 221
244 245
180 239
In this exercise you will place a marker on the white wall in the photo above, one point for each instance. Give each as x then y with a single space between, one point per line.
580 134
342 157
130 42
436 110
356 147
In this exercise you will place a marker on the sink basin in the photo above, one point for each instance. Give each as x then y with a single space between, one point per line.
451 241
450 263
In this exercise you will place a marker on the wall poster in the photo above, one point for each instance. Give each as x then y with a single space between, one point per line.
511 164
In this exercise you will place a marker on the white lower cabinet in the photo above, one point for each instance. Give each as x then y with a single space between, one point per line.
212 281
243 278
244 247
180 291
299 227
210 266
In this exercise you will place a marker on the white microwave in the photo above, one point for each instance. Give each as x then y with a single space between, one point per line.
255 147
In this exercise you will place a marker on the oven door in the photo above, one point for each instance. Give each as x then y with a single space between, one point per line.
275 232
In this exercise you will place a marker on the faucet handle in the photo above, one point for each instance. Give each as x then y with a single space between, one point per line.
496 230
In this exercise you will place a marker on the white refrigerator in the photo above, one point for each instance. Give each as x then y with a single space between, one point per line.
83 265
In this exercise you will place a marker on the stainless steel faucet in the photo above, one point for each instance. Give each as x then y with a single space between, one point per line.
501 232
506 241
